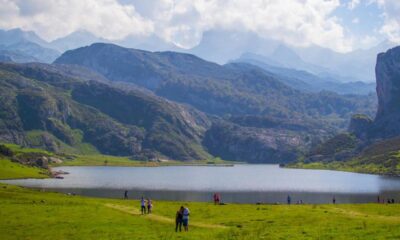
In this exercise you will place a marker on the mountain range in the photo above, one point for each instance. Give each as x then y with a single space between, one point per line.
250 109
224 46
166 104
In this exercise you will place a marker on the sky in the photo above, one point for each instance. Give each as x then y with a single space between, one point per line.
341 25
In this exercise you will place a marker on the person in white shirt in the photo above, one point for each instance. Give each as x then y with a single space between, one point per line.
185 218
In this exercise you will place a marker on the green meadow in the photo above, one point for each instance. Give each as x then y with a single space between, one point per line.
34 214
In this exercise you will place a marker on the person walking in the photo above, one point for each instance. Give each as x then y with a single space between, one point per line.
179 219
126 194
289 200
334 200
149 206
185 218
142 205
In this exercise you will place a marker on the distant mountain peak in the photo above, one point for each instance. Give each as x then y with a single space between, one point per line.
284 53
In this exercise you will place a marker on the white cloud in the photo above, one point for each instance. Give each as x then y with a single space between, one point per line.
298 22
355 20
391 26
55 18
353 4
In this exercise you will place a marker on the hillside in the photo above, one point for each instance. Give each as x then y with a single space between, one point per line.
63 110
234 89
370 145
229 91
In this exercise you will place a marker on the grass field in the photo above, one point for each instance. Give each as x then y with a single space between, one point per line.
31 214
9 169
34 214
106 160
348 166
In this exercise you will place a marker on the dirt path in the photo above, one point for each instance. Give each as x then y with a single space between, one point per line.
158 218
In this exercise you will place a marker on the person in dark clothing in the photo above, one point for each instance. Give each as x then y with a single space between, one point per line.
126 194
179 220
289 200
334 200
149 206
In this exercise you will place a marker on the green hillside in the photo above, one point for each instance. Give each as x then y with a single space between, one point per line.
44 107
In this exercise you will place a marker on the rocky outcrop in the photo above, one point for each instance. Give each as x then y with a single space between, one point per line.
359 125
388 82
387 120
255 145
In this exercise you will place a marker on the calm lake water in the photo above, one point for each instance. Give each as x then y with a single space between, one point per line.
239 183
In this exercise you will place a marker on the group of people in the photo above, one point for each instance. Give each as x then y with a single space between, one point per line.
182 218
389 201
146 204
289 200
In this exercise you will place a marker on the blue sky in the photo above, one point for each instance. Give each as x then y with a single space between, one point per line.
365 20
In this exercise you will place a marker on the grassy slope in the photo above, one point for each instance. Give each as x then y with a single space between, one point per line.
102 160
30 214
14 170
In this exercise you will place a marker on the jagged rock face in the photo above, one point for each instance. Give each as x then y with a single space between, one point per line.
388 82
387 120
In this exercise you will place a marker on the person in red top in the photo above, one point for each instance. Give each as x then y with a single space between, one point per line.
217 198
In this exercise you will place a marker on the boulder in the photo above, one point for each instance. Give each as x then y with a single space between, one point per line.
54 160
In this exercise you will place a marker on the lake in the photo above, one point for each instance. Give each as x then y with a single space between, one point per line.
239 183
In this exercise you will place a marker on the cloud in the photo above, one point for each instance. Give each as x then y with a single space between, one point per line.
391 26
297 22
56 18
353 4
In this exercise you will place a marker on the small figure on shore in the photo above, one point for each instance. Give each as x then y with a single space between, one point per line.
334 200
185 218
216 198
379 200
179 219
289 200
143 205
126 194
149 206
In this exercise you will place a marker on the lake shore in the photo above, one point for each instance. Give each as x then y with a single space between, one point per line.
46 215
